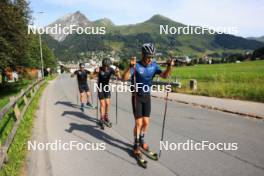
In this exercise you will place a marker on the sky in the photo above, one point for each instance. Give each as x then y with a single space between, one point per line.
245 15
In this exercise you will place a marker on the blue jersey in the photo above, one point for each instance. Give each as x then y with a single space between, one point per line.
144 76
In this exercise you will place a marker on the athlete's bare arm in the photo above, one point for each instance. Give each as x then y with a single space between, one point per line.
117 73
126 74
95 73
167 72
73 74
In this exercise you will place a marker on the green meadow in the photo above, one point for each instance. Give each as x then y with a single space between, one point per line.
243 80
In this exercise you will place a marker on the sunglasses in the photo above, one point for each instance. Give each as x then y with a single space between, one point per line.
148 57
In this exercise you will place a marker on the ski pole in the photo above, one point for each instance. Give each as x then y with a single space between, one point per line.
116 101
77 91
164 117
97 104
135 98
91 91
134 93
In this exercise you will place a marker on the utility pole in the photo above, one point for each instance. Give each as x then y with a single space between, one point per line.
41 55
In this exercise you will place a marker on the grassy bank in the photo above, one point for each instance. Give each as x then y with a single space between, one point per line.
236 80
12 89
17 150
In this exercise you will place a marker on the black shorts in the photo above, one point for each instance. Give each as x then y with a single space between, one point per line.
104 95
141 106
83 88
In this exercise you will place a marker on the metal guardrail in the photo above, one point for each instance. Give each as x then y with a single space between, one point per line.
27 96
172 83
176 84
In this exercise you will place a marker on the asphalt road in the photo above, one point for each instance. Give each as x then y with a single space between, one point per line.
57 120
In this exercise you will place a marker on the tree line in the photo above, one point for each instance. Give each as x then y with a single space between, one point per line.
17 47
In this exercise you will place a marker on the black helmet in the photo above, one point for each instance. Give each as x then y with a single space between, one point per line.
81 65
148 49
106 62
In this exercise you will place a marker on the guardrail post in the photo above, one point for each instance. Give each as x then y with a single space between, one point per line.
31 93
35 88
22 91
25 99
3 155
11 98
17 111
193 84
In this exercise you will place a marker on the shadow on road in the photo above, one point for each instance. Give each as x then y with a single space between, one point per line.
68 103
95 131
80 115
101 135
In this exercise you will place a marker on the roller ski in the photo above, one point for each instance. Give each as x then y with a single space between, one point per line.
107 123
82 108
140 160
91 106
101 124
148 153
87 106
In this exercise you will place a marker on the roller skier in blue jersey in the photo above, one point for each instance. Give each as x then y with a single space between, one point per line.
142 73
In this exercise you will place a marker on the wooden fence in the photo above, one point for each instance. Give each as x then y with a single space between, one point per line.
26 96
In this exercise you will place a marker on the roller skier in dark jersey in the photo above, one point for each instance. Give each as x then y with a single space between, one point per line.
104 74
85 94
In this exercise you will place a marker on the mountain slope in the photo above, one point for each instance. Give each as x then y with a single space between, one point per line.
103 22
150 26
76 18
126 40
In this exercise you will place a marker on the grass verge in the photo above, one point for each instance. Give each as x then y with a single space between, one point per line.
18 148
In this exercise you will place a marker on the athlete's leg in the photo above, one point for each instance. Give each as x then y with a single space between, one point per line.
145 124
137 110
82 97
146 114
107 107
82 100
102 108
82 94
88 95
138 126
143 131
137 129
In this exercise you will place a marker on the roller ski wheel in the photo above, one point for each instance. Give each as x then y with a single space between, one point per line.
148 153
140 160
100 123
108 123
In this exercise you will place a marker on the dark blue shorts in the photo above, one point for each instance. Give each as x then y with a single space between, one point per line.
141 106
83 88
104 95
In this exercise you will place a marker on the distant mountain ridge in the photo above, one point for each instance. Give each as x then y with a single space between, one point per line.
260 39
125 40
